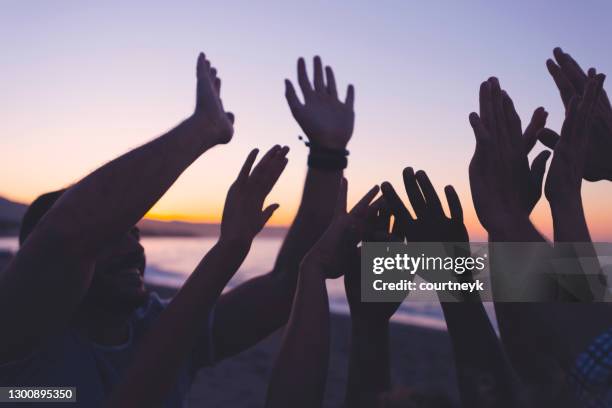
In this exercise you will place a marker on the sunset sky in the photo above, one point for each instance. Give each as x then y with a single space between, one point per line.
81 84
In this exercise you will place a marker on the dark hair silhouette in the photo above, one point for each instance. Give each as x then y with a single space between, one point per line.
36 211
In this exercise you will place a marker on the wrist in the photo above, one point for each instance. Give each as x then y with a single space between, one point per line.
326 158
516 229
566 205
208 133
237 244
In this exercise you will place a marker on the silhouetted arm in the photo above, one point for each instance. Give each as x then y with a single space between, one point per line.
369 371
300 370
171 339
241 318
48 277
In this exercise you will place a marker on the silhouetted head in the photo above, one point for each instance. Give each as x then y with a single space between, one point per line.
117 286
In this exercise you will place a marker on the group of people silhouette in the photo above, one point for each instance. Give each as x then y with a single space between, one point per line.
75 310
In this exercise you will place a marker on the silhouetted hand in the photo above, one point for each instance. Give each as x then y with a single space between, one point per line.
430 224
210 117
323 117
337 246
503 186
566 168
243 217
377 229
571 81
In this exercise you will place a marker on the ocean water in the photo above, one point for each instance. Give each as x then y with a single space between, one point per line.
170 260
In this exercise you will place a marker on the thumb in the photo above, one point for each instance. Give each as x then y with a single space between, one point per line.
538 167
548 137
267 214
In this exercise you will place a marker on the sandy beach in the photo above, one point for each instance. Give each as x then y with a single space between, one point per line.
420 357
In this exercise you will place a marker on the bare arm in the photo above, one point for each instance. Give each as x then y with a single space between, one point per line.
300 371
169 342
369 369
241 319
54 266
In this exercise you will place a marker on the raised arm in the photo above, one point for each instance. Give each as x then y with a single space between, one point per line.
300 371
241 319
168 343
54 266
484 375
582 278
369 370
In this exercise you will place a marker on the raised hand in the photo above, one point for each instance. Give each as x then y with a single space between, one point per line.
209 116
571 81
243 216
568 164
504 187
337 246
326 120
377 229
430 224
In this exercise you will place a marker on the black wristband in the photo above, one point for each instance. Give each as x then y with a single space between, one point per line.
324 158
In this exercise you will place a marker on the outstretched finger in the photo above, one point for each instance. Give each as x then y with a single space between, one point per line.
303 78
429 192
360 209
513 122
537 123
246 167
397 207
292 98
538 168
202 66
204 87
480 132
548 137
319 83
267 213
415 196
571 69
485 106
454 204
566 89
331 83
350 97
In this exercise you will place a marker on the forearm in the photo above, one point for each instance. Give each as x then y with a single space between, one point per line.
168 343
300 371
369 372
579 267
569 222
519 230
313 217
479 358
109 201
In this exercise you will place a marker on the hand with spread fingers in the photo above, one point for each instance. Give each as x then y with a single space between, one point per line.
504 188
571 81
377 229
327 121
209 116
570 152
337 246
430 224
243 217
